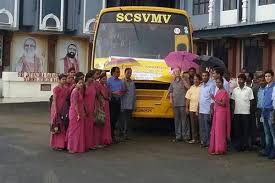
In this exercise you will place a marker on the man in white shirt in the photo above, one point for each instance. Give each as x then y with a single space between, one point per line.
242 96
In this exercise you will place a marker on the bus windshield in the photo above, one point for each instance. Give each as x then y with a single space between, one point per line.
139 40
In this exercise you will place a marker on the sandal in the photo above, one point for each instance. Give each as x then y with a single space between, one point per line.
192 141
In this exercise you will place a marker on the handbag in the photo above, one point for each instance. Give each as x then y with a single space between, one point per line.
100 115
65 119
55 128
64 114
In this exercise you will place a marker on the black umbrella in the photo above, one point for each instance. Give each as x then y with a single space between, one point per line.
210 61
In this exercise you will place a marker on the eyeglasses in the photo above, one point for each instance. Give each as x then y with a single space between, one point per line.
29 45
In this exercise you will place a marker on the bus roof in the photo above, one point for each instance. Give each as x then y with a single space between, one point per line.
145 8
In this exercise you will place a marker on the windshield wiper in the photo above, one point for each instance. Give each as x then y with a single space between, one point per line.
135 28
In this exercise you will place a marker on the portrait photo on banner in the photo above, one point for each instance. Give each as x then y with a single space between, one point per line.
70 53
29 54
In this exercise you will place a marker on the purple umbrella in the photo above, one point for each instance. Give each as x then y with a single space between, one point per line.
181 59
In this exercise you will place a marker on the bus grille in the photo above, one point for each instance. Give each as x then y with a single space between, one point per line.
152 86
150 94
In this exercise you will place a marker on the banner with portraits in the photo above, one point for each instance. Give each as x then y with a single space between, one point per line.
29 53
71 53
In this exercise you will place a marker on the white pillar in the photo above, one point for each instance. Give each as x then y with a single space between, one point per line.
211 10
244 12
104 4
182 4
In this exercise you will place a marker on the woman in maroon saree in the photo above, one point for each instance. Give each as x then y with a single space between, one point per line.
221 124
90 100
76 130
70 83
60 93
106 137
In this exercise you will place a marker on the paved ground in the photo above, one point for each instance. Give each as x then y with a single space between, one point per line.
150 157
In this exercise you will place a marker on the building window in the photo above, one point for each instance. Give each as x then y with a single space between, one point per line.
253 55
201 48
200 7
229 5
161 3
265 2
51 15
1 56
220 50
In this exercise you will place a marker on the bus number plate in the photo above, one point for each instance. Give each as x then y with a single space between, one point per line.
146 110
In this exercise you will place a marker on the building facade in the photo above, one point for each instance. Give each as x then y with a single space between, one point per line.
240 32
46 30
44 36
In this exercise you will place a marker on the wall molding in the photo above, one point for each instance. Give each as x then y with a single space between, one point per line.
53 17
88 28
9 15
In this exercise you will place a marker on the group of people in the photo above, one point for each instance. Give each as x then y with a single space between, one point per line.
85 109
216 113
208 109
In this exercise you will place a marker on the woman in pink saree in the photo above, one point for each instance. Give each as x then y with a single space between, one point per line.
221 124
98 129
76 130
70 83
106 137
60 94
90 97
